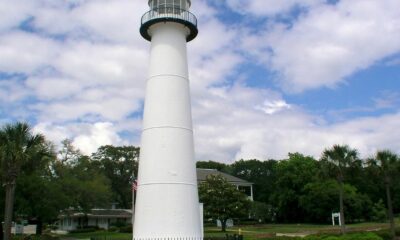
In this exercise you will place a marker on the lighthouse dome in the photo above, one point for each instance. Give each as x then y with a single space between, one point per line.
169 11
162 4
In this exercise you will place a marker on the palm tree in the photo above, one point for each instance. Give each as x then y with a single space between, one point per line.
17 146
338 158
386 162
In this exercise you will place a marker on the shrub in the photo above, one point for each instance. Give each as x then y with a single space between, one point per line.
85 230
113 229
126 229
378 213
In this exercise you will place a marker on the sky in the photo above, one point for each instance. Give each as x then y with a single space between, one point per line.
268 77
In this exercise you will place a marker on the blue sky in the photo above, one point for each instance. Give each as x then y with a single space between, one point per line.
268 77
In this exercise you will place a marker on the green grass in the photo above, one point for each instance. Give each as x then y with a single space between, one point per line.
101 235
251 232
268 230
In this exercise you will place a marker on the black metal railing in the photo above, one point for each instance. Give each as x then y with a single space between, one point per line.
170 13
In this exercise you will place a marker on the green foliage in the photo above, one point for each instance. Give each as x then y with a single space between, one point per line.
83 184
213 165
319 200
119 165
262 212
126 229
222 200
292 175
85 230
261 173
21 152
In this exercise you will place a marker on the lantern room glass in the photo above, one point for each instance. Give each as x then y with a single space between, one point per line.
162 4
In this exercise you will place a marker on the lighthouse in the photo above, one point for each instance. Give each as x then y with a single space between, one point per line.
167 203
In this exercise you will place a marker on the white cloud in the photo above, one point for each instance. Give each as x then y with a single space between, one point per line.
87 137
228 129
86 67
23 52
98 134
13 12
269 7
329 43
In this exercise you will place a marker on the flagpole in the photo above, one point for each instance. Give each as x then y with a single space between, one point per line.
133 201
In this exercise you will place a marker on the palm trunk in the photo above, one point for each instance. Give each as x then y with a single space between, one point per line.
39 226
223 225
8 214
1 231
390 208
342 226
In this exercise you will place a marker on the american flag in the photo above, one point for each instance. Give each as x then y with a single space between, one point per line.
134 185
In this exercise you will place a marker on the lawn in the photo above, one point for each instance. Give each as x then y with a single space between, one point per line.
249 232
268 230
101 235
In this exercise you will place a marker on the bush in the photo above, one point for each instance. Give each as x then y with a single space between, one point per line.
85 229
361 236
113 229
119 224
126 229
378 213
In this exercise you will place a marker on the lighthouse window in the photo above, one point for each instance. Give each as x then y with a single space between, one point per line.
169 6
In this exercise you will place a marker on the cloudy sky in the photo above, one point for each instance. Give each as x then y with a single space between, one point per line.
268 77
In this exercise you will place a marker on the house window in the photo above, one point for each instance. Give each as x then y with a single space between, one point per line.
245 189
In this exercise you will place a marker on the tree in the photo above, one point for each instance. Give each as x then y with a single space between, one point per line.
213 165
68 153
222 200
78 181
386 162
291 177
336 160
120 165
262 212
18 146
319 200
260 173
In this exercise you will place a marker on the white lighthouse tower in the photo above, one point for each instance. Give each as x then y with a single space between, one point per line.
167 204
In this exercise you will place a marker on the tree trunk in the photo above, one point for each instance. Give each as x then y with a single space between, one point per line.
390 208
223 225
343 226
8 214
1 231
39 226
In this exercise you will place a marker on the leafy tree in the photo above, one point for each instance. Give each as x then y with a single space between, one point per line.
260 173
81 181
18 147
319 200
336 160
386 162
68 154
30 200
213 165
222 200
378 211
291 177
120 165
356 205
262 212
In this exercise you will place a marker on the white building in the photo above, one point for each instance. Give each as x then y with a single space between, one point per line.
103 218
242 185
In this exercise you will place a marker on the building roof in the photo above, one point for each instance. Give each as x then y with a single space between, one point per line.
203 173
118 213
